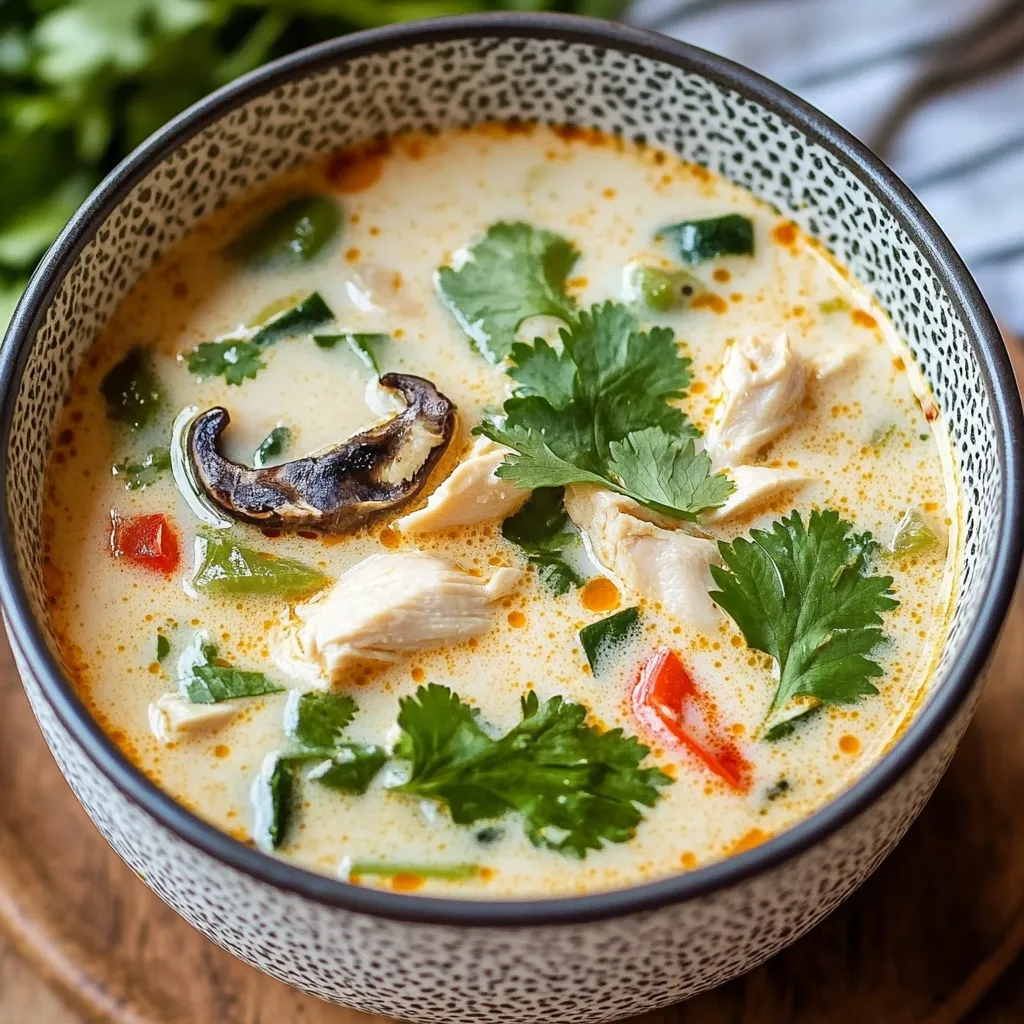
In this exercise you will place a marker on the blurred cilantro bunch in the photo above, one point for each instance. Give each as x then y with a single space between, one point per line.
82 82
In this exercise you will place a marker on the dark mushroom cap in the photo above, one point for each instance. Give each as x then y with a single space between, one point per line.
338 489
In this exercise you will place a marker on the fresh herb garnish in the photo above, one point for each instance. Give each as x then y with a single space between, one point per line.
362 346
163 647
489 834
272 445
349 767
913 534
781 788
601 412
515 271
205 681
602 639
802 595
234 359
318 719
225 567
543 530
448 872
309 314
289 236
132 391
272 798
698 240
575 786
139 475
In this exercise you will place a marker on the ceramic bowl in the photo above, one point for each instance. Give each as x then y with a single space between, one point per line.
589 958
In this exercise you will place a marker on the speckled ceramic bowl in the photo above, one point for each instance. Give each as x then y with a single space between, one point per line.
589 958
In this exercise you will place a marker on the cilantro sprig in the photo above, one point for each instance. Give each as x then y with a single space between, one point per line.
602 411
575 786
803 595
543 530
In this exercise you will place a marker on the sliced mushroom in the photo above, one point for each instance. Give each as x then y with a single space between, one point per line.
339 488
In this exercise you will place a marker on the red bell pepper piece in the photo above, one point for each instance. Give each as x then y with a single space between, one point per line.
665 699
149 541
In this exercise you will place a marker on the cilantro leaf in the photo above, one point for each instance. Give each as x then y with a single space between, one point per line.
139 475
204 681
350 768
543 530
515 271
132 390
802 595
272 445
235 359
318 719
575 786
602 411
273 797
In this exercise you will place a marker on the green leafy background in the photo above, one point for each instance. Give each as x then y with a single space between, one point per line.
83 82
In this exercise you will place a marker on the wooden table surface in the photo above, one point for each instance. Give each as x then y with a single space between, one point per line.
934 937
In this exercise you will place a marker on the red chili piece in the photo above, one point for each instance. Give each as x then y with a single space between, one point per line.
149 541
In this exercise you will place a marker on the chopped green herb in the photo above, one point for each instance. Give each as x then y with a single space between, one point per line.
234 359
361 345
272 798
271 446
489 834
923 437
661 290
515 271
132 391
349 768
834 305
163 647
449 872
309 314
880 435
802 595
698 240
290 236
225 567
602 411
785 721
602 639
139 475
205 681
318 719
543 530
913 534
575 786
781 788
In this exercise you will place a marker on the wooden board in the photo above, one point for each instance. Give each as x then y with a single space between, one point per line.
920 943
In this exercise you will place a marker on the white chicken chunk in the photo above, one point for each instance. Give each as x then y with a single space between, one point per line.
174 715
760 387
754 485
635 545
385 606
836 361
473 493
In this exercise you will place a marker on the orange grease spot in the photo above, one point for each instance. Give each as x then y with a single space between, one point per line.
600 595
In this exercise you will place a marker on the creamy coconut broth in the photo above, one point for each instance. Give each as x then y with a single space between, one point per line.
804 399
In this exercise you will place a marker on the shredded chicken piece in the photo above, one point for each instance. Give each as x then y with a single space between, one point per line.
754 485
471 494
173 715
760 387
647 557
834 362
382 607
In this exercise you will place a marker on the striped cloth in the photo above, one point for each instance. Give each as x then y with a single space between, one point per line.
935 87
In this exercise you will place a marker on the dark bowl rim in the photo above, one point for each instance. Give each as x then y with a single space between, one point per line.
872 172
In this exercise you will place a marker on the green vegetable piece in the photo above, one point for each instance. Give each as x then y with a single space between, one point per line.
448 872
204 681
802 595
133 393
163 647
271 446
350 768
662 290
361 345
601 640
515 271
783 722
290 236
880 435
489 835
139 475
272 800
224 567
235 359
780 789
913 534
543 530
575 787
699 240
604 411
837 304
309 314
317 720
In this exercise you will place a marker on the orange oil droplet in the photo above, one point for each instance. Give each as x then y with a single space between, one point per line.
849 744
862 319
688 860
600 595
403 882
221 750
516 619
755 837
389 538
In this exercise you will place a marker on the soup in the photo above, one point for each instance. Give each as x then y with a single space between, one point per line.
513 511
